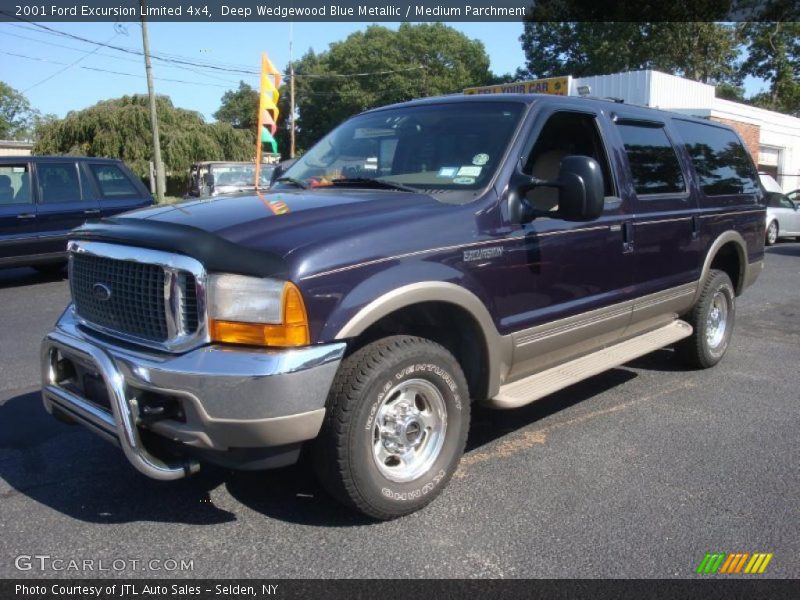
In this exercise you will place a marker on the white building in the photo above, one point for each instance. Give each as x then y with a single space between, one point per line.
15 148
772 138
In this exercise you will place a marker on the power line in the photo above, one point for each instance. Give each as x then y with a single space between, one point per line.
207 65
113 56
113 72
69 66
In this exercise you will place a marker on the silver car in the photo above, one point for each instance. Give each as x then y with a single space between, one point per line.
783 218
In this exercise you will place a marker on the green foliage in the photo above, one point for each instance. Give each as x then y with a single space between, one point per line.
239 108
17 118
120 128
773 54
414 61
701 51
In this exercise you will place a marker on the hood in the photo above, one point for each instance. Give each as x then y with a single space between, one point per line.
264 233
281 222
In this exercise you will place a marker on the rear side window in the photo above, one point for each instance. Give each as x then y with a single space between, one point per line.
721 162
58 182
113 182
654 164
15 184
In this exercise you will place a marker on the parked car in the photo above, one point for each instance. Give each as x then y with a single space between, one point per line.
769 183
214 178
783 218
43 197
491 248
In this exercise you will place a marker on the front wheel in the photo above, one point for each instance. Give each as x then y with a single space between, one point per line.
395 428
772 233
712 319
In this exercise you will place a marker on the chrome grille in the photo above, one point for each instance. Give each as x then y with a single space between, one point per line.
145 296
136 305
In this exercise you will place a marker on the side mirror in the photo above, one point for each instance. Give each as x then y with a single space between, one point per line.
580 182
580 192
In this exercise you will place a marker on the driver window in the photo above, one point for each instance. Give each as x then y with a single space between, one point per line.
564 134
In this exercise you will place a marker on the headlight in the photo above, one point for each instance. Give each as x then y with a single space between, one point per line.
254 311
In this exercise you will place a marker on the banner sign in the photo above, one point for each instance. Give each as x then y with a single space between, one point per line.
557 86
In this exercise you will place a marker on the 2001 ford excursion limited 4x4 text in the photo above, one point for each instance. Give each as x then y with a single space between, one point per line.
419 258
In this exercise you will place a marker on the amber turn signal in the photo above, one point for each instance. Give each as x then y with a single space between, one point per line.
292 332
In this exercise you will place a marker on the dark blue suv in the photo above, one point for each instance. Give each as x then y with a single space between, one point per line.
419 258
43 197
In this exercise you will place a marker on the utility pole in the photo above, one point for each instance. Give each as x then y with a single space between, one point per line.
160 178
291 92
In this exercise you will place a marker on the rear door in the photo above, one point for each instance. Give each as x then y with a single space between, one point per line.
62 203
116 188
17 212
664 231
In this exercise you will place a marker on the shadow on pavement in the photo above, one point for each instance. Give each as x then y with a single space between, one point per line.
784 249
23 276
489 425
72 471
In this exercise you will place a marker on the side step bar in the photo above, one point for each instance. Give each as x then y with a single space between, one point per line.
524 391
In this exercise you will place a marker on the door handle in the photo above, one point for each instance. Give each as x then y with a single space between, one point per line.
627 237
92 211
26 216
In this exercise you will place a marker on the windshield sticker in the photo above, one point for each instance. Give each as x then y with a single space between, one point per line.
447 172
480 159
464 180
469 171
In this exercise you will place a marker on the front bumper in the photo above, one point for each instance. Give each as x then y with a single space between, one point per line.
226 399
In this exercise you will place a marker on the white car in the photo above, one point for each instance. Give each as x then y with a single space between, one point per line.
783 218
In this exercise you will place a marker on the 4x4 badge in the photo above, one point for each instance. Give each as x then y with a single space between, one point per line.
101 291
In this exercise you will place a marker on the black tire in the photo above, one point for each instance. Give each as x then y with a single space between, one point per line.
771 235
345 456
698 350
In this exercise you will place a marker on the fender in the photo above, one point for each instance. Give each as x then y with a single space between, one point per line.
741 248
499 348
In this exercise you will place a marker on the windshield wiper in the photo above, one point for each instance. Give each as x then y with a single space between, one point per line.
372 182
293 181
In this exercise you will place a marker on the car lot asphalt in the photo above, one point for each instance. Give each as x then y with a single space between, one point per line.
637 472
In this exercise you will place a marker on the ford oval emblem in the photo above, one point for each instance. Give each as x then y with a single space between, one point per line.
101 291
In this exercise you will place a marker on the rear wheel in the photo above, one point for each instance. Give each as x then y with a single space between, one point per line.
772 233
712 319
395 429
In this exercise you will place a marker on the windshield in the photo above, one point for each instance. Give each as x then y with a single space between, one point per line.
241 175
456 146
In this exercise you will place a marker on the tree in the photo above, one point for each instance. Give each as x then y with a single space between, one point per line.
120 128
701 51
773 54
239 108
17 118
380 66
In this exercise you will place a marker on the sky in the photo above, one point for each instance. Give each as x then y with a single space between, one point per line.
29 57
59 74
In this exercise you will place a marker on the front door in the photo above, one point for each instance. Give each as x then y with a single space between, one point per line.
567 284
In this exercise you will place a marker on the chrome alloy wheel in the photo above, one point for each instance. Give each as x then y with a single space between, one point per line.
409 430
772 233
717 320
